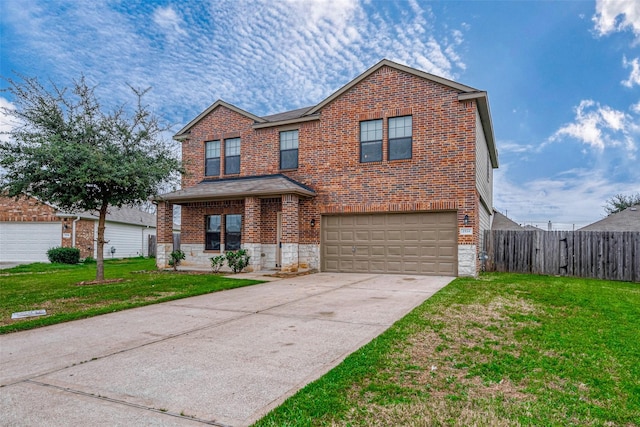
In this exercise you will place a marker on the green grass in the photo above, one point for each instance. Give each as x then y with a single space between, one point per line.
55 288
505 350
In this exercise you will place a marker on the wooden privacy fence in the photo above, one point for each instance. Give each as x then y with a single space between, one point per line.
597 254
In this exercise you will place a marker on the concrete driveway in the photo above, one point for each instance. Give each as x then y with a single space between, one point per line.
223 359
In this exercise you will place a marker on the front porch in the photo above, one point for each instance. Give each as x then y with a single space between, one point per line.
262 215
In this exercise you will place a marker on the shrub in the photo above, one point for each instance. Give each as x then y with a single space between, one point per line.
175 258
64 255
217 262
238 260
89 260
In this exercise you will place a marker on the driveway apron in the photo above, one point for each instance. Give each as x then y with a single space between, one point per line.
222 359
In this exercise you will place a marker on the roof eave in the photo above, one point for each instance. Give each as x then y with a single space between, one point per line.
482 100
207 197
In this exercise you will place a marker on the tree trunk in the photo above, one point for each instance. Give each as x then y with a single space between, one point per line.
100 252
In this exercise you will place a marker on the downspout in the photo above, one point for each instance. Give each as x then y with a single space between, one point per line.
73 228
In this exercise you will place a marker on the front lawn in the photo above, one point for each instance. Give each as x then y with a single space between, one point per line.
56 289
503 350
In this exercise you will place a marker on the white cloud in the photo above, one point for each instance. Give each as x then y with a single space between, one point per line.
599 127
169 21
617 15
634 76
262 56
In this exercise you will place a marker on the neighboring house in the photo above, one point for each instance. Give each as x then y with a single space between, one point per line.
29 227
393 173
626 220
502 222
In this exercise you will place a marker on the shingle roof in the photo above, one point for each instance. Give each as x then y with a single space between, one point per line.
288 115
501 222
124 215
258 186
311 113
627 220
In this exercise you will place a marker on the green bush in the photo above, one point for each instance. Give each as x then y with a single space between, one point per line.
64 255
217 262
89 260
238 260
175 258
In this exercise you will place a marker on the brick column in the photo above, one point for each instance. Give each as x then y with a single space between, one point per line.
290 232
251 232
164 234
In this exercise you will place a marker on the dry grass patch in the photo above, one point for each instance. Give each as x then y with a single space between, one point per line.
434 369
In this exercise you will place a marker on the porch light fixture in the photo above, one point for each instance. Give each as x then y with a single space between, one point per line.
313 222
465 221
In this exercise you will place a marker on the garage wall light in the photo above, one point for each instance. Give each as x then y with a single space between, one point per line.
466 220
313 222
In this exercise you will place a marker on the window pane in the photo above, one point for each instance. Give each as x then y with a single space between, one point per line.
233 232
371 151
212 149
400 127
289 140
289 159
212 167
234 223
371 130
232 164
399 148
232 147
212 239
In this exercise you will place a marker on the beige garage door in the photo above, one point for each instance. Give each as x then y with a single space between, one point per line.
411 243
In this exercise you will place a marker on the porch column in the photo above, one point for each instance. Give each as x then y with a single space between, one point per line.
290 232
252 233
164 234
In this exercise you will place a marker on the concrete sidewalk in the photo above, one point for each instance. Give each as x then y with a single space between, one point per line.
223 359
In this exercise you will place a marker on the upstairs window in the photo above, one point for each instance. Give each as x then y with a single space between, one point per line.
212 233
289 149
212 158
232 156
371 141
400 137
232 232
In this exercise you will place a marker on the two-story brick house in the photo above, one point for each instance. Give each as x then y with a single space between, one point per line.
391 173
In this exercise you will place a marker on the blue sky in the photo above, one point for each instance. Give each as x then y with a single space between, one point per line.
563 77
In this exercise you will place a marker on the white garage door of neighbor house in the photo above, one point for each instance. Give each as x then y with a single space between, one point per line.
410 243
128 240
28 241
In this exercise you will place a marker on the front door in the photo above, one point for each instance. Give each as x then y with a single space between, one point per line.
279 240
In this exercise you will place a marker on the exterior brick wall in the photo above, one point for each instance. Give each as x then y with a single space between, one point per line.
192 229
26 209
440 176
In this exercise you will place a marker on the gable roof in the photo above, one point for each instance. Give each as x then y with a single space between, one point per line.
240 187
184 132
502 222
387 63
467 93
626 220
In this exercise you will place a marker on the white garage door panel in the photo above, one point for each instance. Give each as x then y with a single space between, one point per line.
411 243
28 241
126 239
